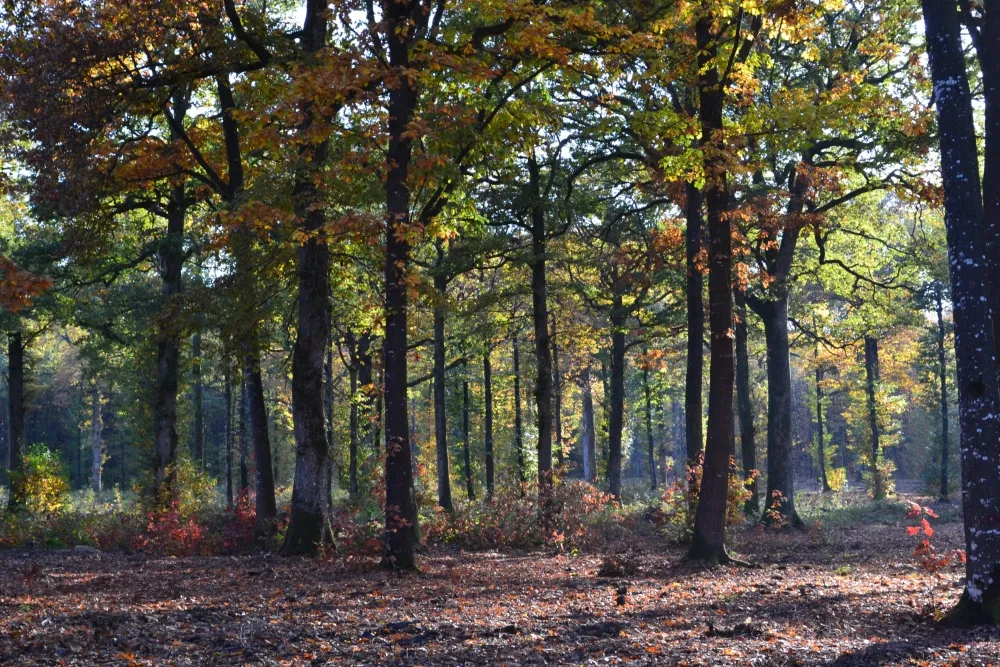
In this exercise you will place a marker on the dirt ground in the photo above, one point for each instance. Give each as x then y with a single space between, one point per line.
822 596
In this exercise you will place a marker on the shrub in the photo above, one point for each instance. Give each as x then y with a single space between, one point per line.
169 533
836 478
242 519
42 485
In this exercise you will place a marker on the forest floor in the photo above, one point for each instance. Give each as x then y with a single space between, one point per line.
832 594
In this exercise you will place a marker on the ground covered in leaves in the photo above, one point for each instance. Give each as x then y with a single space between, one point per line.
823 596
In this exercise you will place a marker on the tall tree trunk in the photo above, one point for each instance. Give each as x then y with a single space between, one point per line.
353 446
649 428
617 398
943 377
244 442
198 442
470 491
871 382
708 540
522 466
400 506
168 349
540 317
557 395
488 421
15 421
820 437
96 441
779 502
589 433
229 437
266 506
311 490
694 438
440 405
328 411
968 243
744 401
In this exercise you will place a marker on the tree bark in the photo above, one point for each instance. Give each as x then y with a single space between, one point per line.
744 401
540 316
617 411
522 466
943 377
96 441
871 382
488 422
198 441
401 20
229 437
440 406
244 441
979 402
15 421
779 502
649 429
708 540
557 395
694 437
469 489
589 433
353 446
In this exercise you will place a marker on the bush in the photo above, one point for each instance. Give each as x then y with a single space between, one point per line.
836 478
42 485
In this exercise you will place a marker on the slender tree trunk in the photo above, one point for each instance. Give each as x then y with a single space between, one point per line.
744 401
96 441
470 491
229 438
353 447
589 433
617 403
557 394
540 316
871 382
15 420
820 437
694 438
264 472
522 466
244 442
328 411
488 422
198 442
780 498
440 406
968 244
943 377
400 505
649 428
708 540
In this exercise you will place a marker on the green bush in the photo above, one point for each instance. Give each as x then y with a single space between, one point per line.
42 484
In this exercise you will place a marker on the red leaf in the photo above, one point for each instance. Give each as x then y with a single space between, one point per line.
928 531
912 530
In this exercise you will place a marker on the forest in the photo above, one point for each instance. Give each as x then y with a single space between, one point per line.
418 332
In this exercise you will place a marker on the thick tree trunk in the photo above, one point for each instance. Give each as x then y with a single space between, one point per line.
779 502
943 378
694 438
400 505
617 398
979 402
307 526
15 417
589 433
440 405
708 540
871 382
168 349
263 471
488 422
649 429
96 441
744 401
540 317
469 489
198 441
522 466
